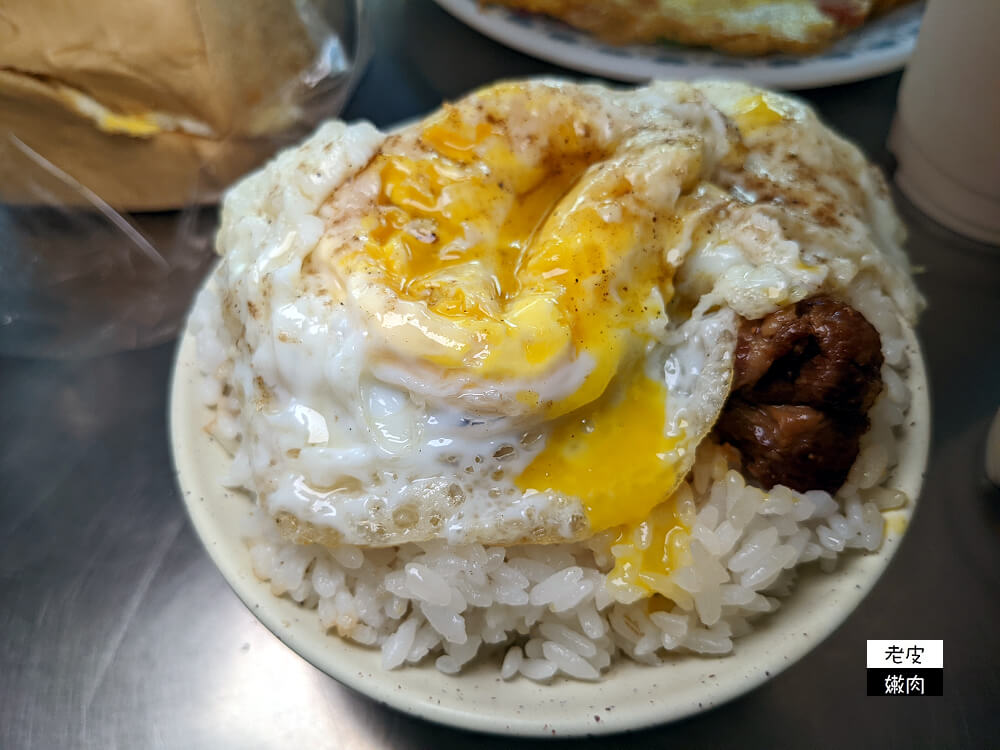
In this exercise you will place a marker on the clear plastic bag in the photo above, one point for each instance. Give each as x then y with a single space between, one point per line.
108 213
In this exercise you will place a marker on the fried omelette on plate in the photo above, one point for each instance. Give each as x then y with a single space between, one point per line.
741 27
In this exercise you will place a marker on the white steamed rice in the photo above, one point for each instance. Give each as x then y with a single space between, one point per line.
544 610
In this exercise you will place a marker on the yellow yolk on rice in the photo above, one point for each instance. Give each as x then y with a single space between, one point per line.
647 551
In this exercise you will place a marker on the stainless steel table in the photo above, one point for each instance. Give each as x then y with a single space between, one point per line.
116 631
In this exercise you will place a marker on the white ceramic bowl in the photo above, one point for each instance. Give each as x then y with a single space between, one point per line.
629 697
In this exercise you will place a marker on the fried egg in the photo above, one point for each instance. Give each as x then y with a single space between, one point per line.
514 321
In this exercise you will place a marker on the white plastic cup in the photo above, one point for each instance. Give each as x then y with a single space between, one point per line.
946 135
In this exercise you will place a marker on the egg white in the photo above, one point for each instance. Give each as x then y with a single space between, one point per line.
348 436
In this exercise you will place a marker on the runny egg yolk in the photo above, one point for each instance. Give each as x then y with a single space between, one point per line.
616 457
522 258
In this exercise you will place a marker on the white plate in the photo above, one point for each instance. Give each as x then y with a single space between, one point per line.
631 695
880 46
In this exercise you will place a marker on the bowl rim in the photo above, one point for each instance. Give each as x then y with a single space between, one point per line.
631 696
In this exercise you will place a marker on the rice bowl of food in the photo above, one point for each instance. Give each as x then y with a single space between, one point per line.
562 385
